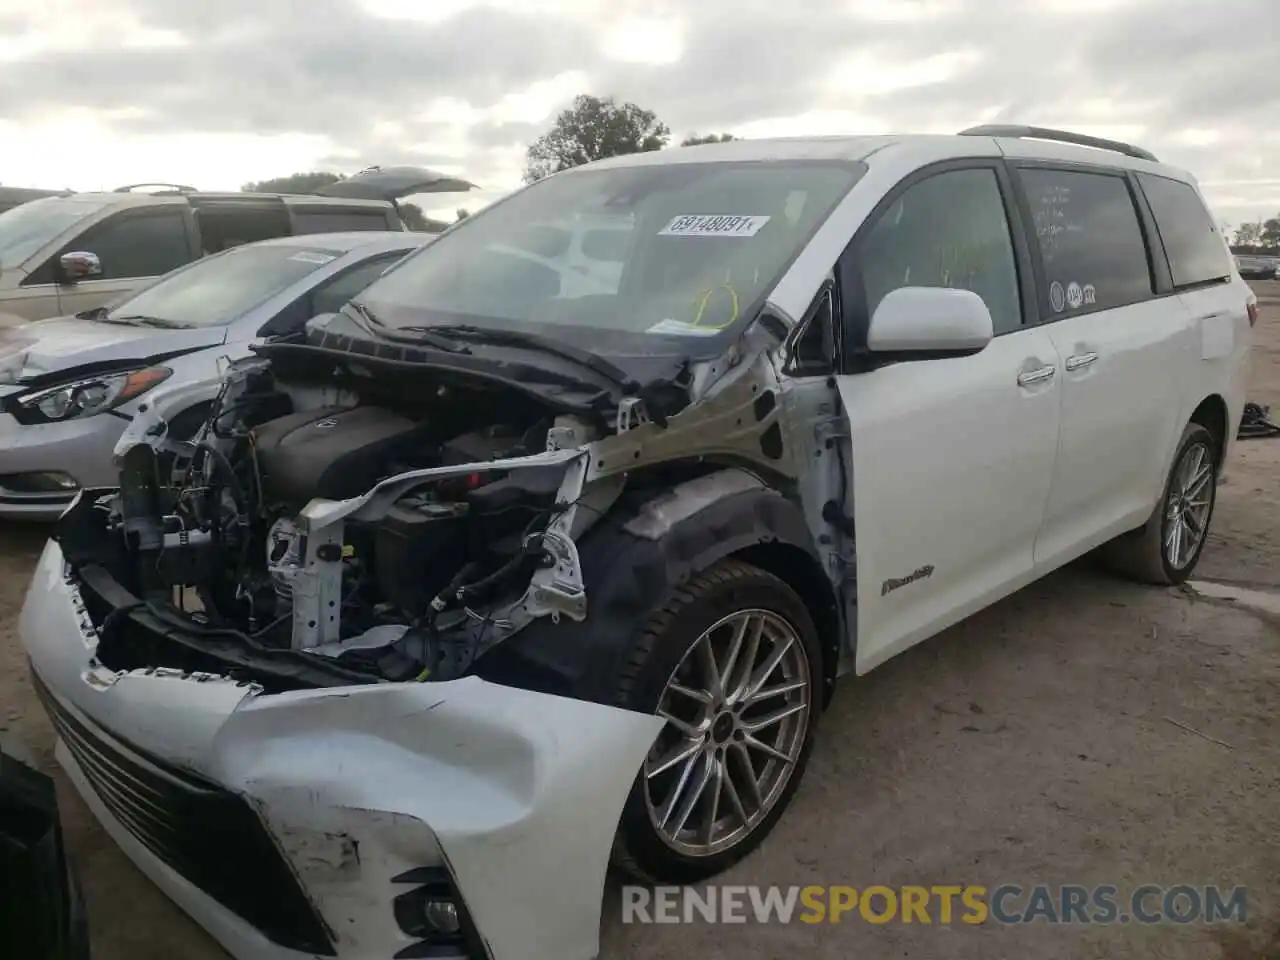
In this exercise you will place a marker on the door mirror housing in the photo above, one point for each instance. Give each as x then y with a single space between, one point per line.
923 323
79 265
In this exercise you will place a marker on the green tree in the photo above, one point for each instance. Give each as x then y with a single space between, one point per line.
696 138
302 183
1247 234
1270 233
412 216
592 129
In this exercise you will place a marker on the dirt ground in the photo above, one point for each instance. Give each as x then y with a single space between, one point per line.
1032 743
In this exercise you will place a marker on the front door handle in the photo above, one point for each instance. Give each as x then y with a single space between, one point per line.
1038 375
1081 360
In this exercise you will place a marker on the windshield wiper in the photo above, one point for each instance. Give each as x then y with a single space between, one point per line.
141 320
370 322
535 341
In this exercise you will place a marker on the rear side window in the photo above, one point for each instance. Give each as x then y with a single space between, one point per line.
338 221
1089 238
1194 247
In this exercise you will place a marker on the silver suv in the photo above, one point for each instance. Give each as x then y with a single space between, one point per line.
62 255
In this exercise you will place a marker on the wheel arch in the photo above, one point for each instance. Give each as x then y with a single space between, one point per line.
1212 415
803 573
189 419
646 548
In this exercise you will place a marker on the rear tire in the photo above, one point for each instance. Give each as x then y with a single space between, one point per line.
1166 549
723 770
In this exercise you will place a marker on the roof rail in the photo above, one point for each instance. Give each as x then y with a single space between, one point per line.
169 187
1058 136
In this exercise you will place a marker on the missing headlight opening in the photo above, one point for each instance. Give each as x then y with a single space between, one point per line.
375 525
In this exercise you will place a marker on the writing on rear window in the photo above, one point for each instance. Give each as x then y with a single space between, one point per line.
713 225
1089 238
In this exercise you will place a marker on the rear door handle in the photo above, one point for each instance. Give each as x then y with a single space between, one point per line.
1036 376
1080 361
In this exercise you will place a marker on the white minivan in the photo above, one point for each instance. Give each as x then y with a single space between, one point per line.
482 582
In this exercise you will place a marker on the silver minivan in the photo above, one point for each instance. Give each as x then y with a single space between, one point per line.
62 255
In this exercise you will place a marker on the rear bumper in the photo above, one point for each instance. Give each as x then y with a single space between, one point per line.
360 797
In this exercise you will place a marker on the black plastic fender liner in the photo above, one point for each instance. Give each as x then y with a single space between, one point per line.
627 576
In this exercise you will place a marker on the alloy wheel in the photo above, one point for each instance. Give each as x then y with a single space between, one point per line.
1187 506
738 710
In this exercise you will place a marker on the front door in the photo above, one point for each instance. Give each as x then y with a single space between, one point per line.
27 302
952 459
134 247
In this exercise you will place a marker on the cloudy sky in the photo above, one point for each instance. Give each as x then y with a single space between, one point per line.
95 93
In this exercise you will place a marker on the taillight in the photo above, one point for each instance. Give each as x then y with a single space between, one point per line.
1252 308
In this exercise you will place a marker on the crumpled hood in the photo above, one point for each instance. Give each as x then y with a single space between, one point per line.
37 349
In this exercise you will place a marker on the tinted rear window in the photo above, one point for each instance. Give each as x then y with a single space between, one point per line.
1195 248
339 221
1090 239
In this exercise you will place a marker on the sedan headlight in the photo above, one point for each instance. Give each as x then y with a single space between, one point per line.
89 396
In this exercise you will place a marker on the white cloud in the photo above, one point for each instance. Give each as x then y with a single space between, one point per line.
655 40
98 92
77 150
865 74
540 101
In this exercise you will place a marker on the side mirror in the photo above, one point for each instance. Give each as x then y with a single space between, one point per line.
930 323
79 265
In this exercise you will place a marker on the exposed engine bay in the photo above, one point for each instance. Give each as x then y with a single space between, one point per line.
412 580
329 529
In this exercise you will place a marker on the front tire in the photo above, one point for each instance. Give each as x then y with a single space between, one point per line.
732 661
1167 548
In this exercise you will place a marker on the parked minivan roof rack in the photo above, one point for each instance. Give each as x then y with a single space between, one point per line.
1058 136
169 187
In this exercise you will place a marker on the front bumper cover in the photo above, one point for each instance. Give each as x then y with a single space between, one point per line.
514 795
81 448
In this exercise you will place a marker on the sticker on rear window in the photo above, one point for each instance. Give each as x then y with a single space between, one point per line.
310 256
1057 297
677 328
713 225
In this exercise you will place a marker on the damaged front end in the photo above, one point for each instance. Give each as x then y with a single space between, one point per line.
347 518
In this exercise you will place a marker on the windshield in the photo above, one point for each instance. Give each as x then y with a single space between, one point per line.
619 257
219 289
27 228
